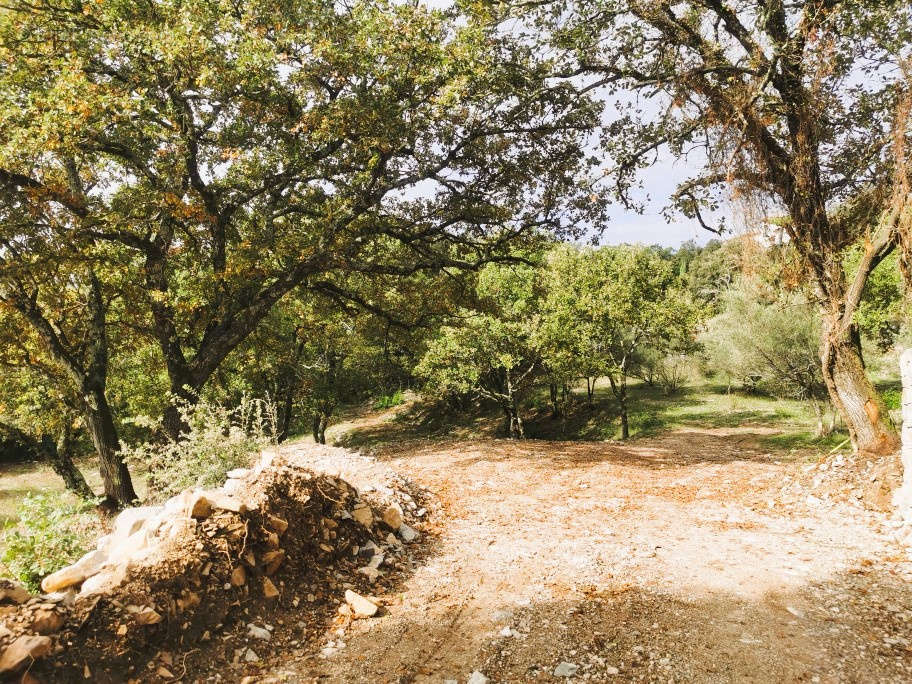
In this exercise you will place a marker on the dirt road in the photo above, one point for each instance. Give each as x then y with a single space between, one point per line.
671 559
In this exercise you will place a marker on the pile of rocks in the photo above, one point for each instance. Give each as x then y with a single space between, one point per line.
174 575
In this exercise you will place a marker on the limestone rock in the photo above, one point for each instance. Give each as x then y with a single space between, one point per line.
276 524
565 670
371 573
24 650
239 576
148 616
203 503
272 560
408 534
258 632
477 678
13 592
269 589
47 621
361 607
77 573
392 516
362 514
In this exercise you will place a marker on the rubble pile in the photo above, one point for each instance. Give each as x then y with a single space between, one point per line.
201 576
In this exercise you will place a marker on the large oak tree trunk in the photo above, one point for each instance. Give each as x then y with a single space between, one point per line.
118 487
852 393
60 456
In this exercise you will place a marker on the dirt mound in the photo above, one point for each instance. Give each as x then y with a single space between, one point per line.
220 574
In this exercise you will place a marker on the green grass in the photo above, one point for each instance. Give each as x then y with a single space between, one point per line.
703 405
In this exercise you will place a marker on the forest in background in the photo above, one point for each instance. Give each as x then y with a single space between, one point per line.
223 221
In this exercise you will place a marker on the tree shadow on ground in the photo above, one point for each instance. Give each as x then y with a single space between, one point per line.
652 414
849 627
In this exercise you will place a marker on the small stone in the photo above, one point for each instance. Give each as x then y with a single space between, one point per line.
148 616
164 673
276 524
272 560
258 632
362 514
47 621
407 533
250 656
269 589
361 607
24 650
238 473
392 516
477 678
565 670
238 576
610 670
13 592
371 573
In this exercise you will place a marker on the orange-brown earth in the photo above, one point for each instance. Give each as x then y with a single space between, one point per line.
694 556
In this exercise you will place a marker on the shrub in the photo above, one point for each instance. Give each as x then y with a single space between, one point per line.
218 439
51 533
892 398
389 400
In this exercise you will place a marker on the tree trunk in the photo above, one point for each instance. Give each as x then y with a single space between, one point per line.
902 497
853 394
619 388
287 406
514 422
820 431
60 456
555 409
118 487
590 391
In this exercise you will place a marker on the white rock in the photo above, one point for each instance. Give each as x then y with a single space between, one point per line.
250 656
610 670
238 473
565 670
477 678
361 607
258 632
371 573
407 533
77 573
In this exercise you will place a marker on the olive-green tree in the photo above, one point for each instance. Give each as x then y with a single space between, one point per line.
788 104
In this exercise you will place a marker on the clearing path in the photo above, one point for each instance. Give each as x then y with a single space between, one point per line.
670 559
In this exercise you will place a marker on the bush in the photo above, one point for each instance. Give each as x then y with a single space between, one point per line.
389 400
218 440
892 398
51 533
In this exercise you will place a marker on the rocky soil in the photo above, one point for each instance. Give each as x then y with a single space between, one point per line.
696 556
211 584
693 557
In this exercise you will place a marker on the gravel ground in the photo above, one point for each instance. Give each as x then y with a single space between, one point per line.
680 558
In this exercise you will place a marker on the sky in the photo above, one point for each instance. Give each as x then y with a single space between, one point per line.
651 227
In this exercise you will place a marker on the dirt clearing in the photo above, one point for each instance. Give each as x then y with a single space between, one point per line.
680 558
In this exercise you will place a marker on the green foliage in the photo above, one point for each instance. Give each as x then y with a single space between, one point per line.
217 440
880 312
51 533
489 351
389 400
767 340
892 398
